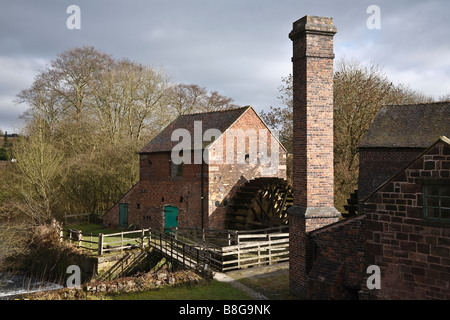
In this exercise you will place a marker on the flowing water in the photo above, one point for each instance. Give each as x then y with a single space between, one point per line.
12 285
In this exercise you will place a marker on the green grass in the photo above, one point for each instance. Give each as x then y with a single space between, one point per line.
215 290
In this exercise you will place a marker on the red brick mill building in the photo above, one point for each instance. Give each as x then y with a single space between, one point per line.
404 222
196 194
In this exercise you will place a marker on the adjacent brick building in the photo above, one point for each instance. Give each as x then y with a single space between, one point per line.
408 229
398 135
404 224
195 193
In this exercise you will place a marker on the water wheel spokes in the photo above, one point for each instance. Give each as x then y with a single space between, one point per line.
260 203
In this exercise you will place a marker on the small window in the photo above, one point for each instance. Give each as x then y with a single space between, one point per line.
138 206
176 170
436 201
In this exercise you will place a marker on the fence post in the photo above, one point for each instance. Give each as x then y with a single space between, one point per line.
149 237
142 240
80 237
259 254
171 252
270 250
100 244
184 257
239 255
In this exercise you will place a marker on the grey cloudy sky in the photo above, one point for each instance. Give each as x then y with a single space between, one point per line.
237 47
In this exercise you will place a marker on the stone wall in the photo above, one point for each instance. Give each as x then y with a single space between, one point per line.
377 165
413 252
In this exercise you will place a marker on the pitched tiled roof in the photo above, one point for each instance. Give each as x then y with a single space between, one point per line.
220 120
408 126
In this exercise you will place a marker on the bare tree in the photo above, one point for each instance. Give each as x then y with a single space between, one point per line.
359 93
92 113
188 99
280 118
39 170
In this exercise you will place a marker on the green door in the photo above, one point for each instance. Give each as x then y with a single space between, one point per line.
123 215
170 218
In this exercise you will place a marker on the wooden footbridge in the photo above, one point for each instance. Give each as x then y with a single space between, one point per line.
219 250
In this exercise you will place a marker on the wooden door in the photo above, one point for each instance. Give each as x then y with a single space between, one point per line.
123 215
170 218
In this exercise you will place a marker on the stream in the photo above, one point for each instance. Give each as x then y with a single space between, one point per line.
12 285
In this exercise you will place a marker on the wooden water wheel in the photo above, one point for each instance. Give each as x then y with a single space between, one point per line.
260 203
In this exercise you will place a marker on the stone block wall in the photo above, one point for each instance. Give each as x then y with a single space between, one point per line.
377 165
412 251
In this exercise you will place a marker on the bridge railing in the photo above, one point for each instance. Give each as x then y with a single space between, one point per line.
241 248
188 256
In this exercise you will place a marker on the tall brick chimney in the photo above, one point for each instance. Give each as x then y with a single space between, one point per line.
313 120
313 140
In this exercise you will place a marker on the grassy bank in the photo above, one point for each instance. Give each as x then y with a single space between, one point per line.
215 290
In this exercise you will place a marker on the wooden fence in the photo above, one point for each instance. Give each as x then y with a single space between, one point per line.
103 243
242 249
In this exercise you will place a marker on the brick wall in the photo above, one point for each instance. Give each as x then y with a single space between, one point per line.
377 165
338 260
225 179
157 189
299 255
412 252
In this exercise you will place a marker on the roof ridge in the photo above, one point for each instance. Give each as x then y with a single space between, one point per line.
418 104
443 139
216 111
